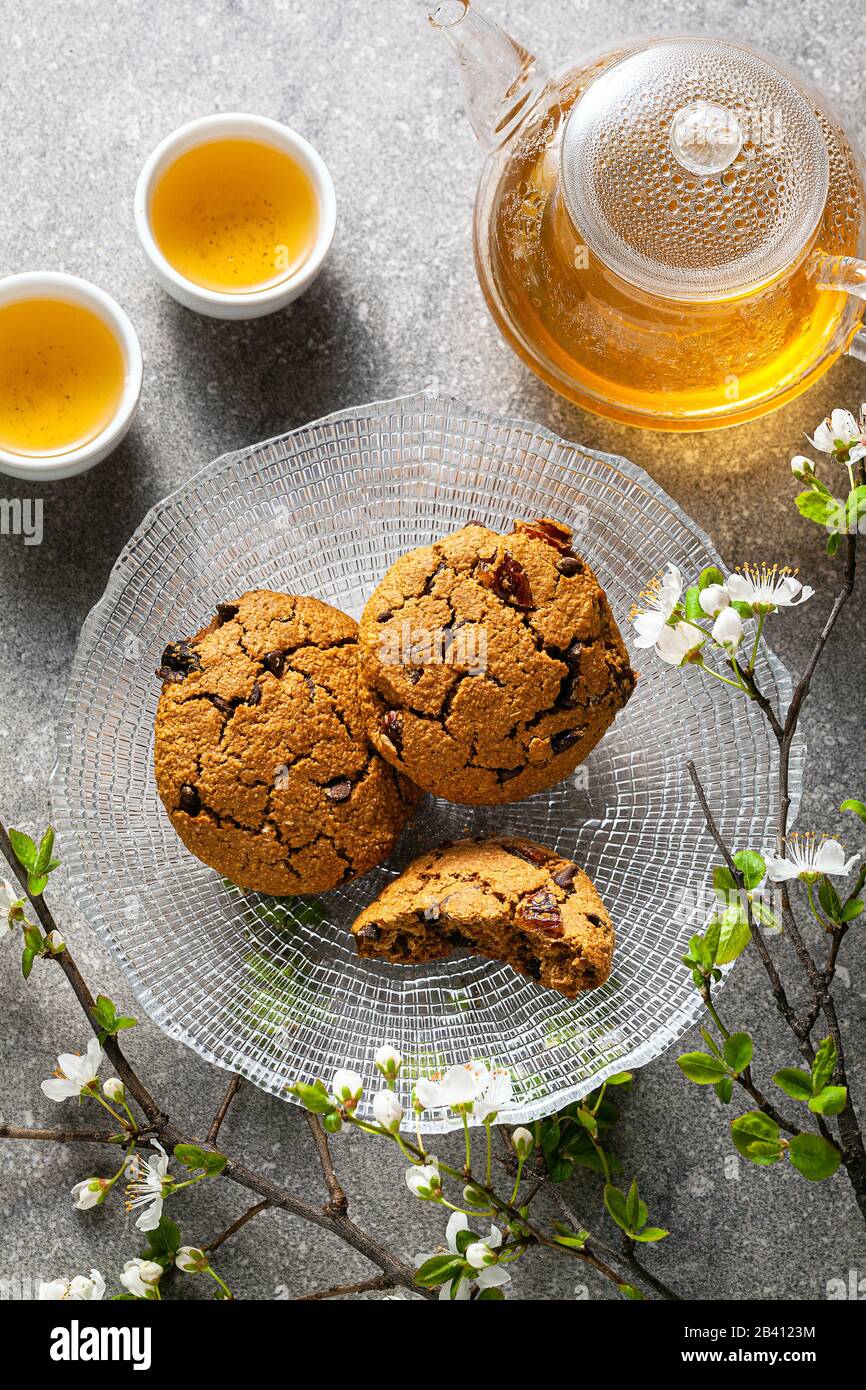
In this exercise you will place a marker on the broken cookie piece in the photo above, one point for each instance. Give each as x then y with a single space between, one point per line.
505 898
262 757
499 661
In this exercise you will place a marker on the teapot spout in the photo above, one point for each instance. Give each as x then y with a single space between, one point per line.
501 80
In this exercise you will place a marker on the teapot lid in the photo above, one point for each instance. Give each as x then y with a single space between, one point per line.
694 168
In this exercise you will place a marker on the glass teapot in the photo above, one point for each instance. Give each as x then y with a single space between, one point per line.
668 233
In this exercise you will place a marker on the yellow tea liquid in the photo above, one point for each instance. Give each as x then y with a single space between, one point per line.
62 375
235 215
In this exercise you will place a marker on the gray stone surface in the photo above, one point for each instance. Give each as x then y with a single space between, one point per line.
88 89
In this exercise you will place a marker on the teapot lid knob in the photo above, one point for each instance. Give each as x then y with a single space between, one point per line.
694 168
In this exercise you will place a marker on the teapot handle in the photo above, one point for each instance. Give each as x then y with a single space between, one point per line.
848 274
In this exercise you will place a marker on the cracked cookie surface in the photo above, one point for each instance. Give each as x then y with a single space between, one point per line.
262 757
499 659
506 898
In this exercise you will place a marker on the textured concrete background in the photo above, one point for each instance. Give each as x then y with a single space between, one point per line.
87 89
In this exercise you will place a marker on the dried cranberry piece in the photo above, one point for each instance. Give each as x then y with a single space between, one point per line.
565 877
224 706
189 799
541 911
255 695
543 529
226 611
509 581
274 662
180 658
530 853
392 728
564 739
339 790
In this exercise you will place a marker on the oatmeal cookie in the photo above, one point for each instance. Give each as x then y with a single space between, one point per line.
499 659
262 759
506 898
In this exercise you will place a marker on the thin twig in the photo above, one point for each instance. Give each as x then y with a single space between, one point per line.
233 1087
236 1225
59 1136
338 1199
381 1281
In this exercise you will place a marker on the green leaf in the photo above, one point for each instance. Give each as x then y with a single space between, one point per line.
852 909
830 900
633 1208
620 1078
824 1064
724 1089
617 1205
855 508
813 1156
701 1068
795 1083
651 1233
588 1121
819 507
694 611
165 1239
830 1101
711 575
491 1295
723 883
573 1242
312 1098
756 1137
43 857
563 1169
193 1157
36 885
832 543
765 915
550 1135
738 1051
25 849
752 866
858 807
734 935
464 1240
745 610
27 959
439 1269
629 1291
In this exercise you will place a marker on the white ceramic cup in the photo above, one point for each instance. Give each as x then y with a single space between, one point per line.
52 284
250 304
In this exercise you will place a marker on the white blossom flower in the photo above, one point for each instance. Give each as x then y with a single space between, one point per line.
840 434
728 630
9 901
113 1089
424 1181
679 644
140 1277
78 1290
767 587
191 1260
90 1193
802 467
461 1086
387 1110
147 1187
713 599
496 1097
522 1142
655 606
55 941
485 1278
808 857
389 1061
347 1087
75 1074
483 1252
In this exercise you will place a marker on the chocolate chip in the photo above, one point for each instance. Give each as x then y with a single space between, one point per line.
225 706
565 877
564 739
189 800
339 790
595 919
507 774
370 932
168 673
570 565
384 617
255 695
541 911
226 611
180 658
567 697
274 662
533 968
392 728
311 686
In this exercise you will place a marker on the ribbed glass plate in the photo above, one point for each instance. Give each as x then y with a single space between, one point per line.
272 988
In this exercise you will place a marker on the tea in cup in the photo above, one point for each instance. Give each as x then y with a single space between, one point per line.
236 214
